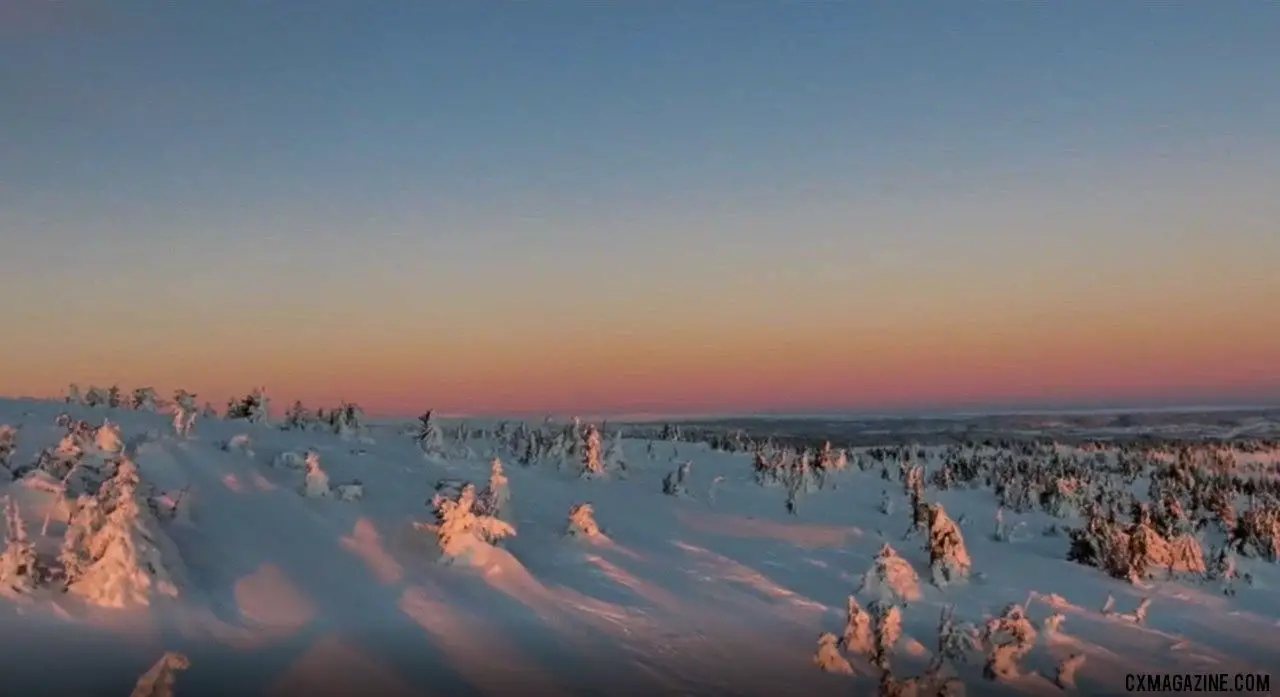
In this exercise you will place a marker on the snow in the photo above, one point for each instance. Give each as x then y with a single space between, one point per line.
258 584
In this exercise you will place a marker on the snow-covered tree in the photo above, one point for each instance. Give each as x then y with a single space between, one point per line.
948 557
888 621
143 399
676 482
184 413
315 484
298 418
858 637
95 397
614 457
582 522
19 566
891 579
461 531
1008 638
125 566
429 437
347 420
828 657
114 400
73 394
254 407
8 445
496 497
160 679
83 523
592 457
107 438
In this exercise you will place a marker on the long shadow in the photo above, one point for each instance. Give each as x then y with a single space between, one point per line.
281 533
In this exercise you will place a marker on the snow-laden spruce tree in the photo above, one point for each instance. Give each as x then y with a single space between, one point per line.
74 395
948 557
184 413
83 523
592 455
254 407
461 532
347 420
888 621
429 437
891 579
144 399
95 397
19 566
297 418
159 680
614 456
125 566
858 637
315 484
828 657
107 438
496 497
1008 638
114 400
582 522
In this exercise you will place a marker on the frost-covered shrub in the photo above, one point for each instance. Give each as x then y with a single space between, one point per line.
891 579
349 491
239 443
290 459
582 522
675 483
460 531
828 657
19 566
160 679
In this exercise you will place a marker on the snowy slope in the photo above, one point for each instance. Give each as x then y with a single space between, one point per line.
709 594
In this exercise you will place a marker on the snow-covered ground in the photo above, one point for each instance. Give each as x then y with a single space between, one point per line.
718 591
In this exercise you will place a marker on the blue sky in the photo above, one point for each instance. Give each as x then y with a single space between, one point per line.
456 140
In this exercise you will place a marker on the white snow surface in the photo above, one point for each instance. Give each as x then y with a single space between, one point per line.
289 595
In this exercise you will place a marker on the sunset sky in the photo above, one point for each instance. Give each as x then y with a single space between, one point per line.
675 206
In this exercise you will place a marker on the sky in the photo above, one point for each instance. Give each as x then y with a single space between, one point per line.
662 206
